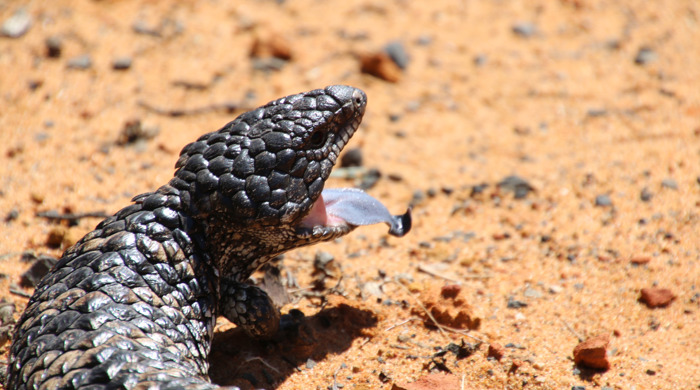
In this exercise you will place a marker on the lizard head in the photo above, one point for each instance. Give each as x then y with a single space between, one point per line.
259 180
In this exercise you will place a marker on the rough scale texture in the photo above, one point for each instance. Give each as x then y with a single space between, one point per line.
133 304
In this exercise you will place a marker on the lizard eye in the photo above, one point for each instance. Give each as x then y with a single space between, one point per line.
318 138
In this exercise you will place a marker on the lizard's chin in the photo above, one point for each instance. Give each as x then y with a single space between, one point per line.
340 210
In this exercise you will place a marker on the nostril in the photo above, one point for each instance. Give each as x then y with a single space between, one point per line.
357 97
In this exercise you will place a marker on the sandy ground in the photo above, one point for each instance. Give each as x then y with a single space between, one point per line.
595 104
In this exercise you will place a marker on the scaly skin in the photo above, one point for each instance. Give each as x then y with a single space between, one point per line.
133 304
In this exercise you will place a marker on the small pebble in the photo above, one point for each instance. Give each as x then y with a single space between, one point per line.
578 387
640 260
514 366
418 197
370 178
481 59
496 351
397 52
603 201
596 112
80 62
7 311
515 304
450 291
555 289
645 55
121 63
271 45
39 268
16 25
669 183
592 353
352 158
380 65
54 46
645 195
656 297
310 363
524 29
532 293
424 40
519 186
321 259
395 177
11 215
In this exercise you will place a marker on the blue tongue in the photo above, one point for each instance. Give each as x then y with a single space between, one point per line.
357 208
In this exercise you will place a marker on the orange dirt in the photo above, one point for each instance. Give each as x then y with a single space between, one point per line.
594 103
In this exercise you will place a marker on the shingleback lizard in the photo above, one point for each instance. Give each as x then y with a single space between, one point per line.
133 304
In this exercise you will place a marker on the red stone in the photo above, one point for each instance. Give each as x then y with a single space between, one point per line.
656 297
592 353
496 351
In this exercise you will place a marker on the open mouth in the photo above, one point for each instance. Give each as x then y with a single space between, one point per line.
343 209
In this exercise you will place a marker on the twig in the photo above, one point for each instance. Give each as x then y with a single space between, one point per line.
10 254
54 215
401 323
427 312
464 332
227 107
261 360
432 272
21 293
575 333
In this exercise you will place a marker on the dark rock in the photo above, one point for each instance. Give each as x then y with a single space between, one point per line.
39 268
596 112
352 158
54 46
121 63
395 177
397 52
645 55
133 132
80 62
603 201
7 311
478 189
424 40
370 178
481 59
34 84
268 64
321 259
669 183
524 29
519 186
418 197
645 195
515 304
11 215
